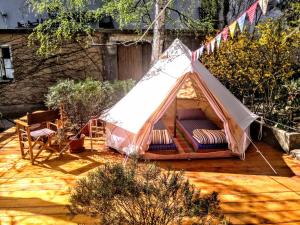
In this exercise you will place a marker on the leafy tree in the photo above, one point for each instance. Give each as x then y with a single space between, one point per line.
142 195
257 66
72 19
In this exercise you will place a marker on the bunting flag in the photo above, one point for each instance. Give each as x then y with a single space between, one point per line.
241 21
193 56
201 50
212 43
225 34
263 5
218 39
232 29
208 48
196 54
251 12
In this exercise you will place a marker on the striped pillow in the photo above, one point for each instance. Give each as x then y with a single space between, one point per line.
161 137
204 136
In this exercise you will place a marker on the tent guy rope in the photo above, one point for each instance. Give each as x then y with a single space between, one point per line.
262 155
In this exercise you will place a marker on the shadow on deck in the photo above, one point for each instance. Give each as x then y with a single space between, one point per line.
249 191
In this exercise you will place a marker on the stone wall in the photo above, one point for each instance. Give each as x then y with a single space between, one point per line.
33 74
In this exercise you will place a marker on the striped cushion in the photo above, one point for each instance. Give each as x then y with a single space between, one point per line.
204 136
161 137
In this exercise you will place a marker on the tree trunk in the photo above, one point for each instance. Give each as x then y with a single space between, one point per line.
158 31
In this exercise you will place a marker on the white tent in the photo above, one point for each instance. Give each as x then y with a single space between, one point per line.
129 122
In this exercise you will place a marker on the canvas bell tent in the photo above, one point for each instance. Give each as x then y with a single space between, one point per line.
130 122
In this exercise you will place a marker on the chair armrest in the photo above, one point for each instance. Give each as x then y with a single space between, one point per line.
21 123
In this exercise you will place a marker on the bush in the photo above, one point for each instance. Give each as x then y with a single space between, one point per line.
82 100
257 67
141 196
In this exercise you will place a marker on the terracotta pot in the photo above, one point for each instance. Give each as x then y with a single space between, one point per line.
76 144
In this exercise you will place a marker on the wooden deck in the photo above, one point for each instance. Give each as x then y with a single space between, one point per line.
249 191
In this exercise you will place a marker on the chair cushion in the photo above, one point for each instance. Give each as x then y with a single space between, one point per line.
42 132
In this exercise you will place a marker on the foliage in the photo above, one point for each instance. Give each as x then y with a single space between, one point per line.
142 195
292 14
67 20
210 10
71 19
85 99
256 67
288 108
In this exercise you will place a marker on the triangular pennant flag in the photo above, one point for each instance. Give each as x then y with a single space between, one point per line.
241 21
212 43
208 48
263 5
225 34
251 12
201 50
194 56
232 29
218 38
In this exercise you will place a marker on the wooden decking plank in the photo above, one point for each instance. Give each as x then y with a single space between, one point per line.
57 219
260 197
287 216
249 191
256 207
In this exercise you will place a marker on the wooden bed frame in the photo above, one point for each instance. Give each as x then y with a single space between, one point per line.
188 155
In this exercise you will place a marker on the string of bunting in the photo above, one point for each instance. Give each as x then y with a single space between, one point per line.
230 30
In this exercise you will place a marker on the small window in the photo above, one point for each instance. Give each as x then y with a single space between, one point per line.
5 53
6 66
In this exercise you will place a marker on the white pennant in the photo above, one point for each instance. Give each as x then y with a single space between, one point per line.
213 44
263 5
241 21
218 38
201 50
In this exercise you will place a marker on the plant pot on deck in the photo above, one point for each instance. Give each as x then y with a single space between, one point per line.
76 144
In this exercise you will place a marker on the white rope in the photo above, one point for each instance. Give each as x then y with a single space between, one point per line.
259 152
129 43
292 128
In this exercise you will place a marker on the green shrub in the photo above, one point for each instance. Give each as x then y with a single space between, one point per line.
142 196
257 67
84 99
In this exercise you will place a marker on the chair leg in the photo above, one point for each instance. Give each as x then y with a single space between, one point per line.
20 142
30 146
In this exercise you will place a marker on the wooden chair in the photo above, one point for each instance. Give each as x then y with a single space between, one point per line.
37 131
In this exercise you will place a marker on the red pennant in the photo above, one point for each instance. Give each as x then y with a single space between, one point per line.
251 12
195 55
225 34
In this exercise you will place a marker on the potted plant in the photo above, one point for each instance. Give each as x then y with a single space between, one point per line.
80 101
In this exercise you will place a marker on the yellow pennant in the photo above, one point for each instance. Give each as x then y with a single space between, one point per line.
232 29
